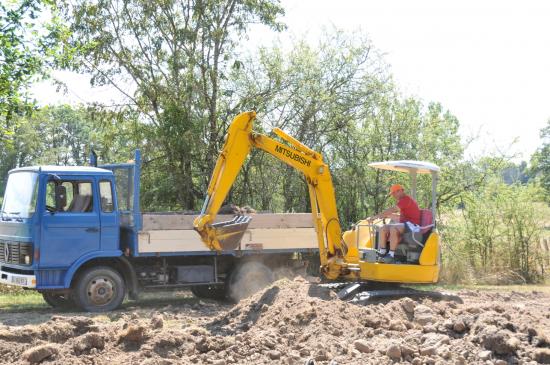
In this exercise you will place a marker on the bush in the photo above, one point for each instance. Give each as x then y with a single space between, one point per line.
495 238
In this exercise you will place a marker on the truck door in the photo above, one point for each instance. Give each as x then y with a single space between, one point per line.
110 229
74 230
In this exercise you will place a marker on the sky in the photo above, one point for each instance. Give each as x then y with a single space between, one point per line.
488 62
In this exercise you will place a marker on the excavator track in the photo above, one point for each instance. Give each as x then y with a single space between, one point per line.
367 293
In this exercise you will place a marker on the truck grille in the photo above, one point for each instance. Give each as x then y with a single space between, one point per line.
13 252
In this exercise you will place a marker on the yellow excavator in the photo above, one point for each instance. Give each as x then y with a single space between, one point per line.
344 257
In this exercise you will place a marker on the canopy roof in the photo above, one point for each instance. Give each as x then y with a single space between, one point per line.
421 167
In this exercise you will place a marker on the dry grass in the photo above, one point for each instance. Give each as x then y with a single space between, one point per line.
509 288
543 288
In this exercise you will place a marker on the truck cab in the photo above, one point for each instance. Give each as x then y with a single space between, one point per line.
55 220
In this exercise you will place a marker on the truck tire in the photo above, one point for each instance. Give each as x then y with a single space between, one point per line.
59 300
99 289
209 292
248 278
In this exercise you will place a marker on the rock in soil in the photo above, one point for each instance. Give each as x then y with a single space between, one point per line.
424 315
362 346
542 356
408 305
394 352
501 342
88 341
157 322
37 354
133 333
274 355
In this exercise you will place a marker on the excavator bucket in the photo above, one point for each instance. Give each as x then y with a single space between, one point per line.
230 233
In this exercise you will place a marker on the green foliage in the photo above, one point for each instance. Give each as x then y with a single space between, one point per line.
177 56
30 37
53 135
63 135
516 173
496 236
337 98
20 61
540 161
30 33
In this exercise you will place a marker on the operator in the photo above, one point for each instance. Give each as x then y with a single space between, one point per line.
409 220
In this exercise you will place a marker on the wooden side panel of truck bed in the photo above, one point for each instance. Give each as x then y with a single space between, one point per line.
174 233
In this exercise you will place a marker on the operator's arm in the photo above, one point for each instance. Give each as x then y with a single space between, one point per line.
388 213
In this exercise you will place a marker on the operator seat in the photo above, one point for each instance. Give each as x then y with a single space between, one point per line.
80 204
411 244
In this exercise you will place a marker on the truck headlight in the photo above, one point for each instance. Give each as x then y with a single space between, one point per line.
27 259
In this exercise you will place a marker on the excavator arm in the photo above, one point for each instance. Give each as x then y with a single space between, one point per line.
239 142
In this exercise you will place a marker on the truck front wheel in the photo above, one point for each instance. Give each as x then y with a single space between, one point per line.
99 289
59 300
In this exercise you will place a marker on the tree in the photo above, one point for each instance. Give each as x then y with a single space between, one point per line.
28 48
316 94
338 99
20 62
176 56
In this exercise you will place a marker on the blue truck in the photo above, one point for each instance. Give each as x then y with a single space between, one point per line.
76 234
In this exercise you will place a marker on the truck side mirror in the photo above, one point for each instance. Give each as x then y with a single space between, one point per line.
54 177
60 197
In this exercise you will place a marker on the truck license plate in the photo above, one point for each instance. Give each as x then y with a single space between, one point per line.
19 280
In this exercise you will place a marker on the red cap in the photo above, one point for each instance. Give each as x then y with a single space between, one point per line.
394 188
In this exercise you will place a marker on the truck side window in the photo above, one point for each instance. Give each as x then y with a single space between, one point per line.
79 196
106 194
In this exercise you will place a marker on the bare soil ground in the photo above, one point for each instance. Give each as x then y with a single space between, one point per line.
290 322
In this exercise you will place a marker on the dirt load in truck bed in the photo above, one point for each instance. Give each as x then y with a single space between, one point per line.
291 322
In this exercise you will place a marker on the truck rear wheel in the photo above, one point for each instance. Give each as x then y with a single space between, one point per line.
59 300
209 292
247 279
99 289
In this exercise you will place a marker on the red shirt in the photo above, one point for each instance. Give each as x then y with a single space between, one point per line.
409 210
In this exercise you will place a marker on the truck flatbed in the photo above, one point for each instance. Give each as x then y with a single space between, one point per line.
173 233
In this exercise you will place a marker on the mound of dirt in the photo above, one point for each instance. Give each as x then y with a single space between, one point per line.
296 322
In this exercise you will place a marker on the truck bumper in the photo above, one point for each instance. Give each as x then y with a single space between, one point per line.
27 281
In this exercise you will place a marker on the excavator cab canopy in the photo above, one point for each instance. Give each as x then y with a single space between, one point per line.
410 166
413 168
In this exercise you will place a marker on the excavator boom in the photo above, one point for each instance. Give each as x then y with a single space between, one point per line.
240 141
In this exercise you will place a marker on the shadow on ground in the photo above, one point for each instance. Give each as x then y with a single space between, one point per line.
35 311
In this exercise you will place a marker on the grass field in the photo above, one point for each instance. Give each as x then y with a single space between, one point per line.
30 300
22 301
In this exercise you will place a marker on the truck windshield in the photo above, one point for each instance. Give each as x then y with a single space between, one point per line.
20 195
